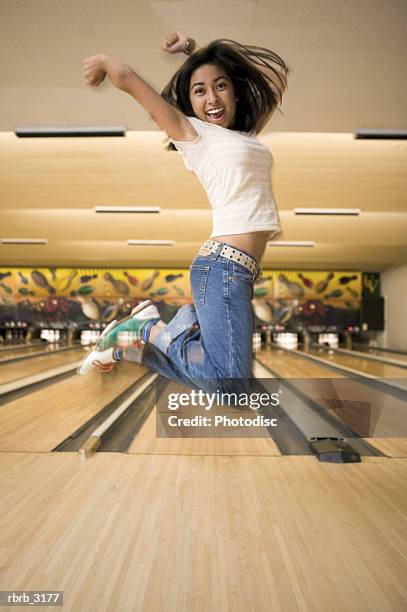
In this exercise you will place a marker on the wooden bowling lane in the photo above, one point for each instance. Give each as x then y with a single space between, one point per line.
291 365
38 422
376 352
379 413
148 534
20 348
4 348
21 369
368 366
147 442
21 351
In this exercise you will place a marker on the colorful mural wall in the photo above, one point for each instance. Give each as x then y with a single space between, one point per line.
58 295
308 298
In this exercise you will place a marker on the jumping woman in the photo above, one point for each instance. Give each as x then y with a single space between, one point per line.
212 110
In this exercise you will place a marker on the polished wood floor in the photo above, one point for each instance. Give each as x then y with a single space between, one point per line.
182 525
157 533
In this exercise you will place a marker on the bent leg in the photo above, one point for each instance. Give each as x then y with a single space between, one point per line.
184 319
221 348
154 359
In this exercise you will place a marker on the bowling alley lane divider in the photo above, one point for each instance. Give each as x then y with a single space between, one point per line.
94 441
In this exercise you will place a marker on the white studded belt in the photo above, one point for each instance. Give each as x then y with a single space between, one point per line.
234 254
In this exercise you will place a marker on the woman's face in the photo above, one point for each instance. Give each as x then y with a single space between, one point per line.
212 90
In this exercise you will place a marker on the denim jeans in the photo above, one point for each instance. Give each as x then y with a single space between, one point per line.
211 340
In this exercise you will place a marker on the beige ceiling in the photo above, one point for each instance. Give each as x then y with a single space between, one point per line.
349 63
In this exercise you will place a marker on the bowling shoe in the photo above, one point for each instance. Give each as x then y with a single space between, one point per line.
88 364
128 331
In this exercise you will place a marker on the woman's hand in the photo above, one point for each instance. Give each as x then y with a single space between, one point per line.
176 42
93 71
104 367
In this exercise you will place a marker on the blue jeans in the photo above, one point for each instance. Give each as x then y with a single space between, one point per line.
211 340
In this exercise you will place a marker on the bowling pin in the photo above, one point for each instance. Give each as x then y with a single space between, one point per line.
148 282
306 281
322 285
118 285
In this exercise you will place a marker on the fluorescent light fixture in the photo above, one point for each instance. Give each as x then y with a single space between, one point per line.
127 209
380 134
292 243
24 241
70 132
151 242
328 211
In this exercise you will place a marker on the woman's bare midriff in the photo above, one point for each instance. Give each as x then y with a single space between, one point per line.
253 243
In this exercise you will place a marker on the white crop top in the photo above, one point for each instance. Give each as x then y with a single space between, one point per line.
234 168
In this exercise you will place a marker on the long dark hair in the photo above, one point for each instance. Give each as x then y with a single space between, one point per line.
259 77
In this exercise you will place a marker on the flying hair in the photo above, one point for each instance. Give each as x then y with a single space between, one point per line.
259 77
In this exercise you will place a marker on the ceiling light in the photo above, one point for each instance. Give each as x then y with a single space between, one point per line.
292 243
151 242
70 132
127 209
327 211
381 134
24 241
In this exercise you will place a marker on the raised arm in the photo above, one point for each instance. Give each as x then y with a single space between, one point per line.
172 121
178 42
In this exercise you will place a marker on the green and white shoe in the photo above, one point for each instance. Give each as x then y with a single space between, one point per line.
88 364
128 331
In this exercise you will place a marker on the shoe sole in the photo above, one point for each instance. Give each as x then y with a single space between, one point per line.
109 328
86 365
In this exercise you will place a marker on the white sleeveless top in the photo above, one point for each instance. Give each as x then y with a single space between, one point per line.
234 168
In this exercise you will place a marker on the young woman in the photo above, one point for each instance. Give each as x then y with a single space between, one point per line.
211 110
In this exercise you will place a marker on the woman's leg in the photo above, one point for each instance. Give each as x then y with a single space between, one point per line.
154 359
211 342
153 354
221 348
225 315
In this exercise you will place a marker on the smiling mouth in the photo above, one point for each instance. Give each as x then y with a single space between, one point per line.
216 114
